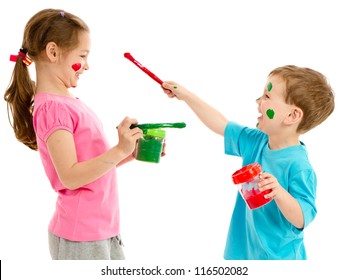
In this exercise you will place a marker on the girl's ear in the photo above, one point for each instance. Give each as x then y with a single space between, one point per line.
294 117
52 51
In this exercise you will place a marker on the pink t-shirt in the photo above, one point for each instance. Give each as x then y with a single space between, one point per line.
90 212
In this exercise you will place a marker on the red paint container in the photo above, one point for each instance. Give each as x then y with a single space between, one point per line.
247 179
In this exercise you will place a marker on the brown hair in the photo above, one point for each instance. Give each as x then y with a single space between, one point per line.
48 25
308 90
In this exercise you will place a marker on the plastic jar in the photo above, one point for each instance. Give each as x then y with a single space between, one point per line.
150 146
247 179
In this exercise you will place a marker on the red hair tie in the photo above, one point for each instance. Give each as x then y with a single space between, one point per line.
22 54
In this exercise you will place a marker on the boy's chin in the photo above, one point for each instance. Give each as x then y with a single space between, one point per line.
261 128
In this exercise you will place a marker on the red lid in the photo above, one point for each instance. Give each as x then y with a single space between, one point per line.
246 173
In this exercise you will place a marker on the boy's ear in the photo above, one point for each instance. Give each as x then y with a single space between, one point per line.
52 51
294 117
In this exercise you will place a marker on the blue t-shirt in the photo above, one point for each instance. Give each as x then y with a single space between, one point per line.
264 233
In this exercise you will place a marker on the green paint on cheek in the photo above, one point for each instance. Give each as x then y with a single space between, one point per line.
270 113
269 87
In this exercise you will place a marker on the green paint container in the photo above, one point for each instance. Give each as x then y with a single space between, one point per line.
150 146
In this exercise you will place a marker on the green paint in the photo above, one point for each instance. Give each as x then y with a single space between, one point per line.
270 113
257 124
159 125
175 86
150 146
258 98
269 86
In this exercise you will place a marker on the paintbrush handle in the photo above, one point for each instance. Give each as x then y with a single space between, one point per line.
159 125
144 69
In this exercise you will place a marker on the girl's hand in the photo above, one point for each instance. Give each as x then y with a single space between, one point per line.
128 137
173 89
269 182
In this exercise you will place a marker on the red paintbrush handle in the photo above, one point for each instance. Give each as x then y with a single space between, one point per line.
144 69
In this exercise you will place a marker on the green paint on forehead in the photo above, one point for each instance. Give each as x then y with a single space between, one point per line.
270 113
269 86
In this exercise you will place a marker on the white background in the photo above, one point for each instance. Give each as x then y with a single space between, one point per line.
178 211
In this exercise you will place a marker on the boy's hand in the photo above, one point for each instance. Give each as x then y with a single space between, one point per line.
287 204
269 182
173 89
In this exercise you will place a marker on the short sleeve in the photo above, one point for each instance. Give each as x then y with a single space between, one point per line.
231 139
303 189
51 116
240 140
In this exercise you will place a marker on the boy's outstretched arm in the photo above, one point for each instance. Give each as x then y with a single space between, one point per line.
212 118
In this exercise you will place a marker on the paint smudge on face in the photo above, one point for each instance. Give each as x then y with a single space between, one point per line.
76 66
269 86
270 113
258 99
257 124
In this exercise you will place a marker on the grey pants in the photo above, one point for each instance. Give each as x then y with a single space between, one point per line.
63 249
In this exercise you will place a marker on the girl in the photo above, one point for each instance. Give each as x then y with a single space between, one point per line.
77 159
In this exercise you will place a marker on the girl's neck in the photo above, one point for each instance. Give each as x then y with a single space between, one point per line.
48 82
52 89
56 93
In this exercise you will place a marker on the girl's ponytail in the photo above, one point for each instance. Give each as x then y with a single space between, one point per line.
20 102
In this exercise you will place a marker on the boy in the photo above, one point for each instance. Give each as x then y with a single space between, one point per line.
294 101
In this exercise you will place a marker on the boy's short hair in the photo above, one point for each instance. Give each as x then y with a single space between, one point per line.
310 91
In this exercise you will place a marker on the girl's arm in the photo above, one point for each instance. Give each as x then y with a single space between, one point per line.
212 118
126 160
74 174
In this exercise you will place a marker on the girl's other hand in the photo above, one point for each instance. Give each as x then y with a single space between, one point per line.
163 153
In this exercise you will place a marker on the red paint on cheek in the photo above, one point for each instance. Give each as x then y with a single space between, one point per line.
76 66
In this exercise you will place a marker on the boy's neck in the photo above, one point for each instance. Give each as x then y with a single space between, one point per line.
278 142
